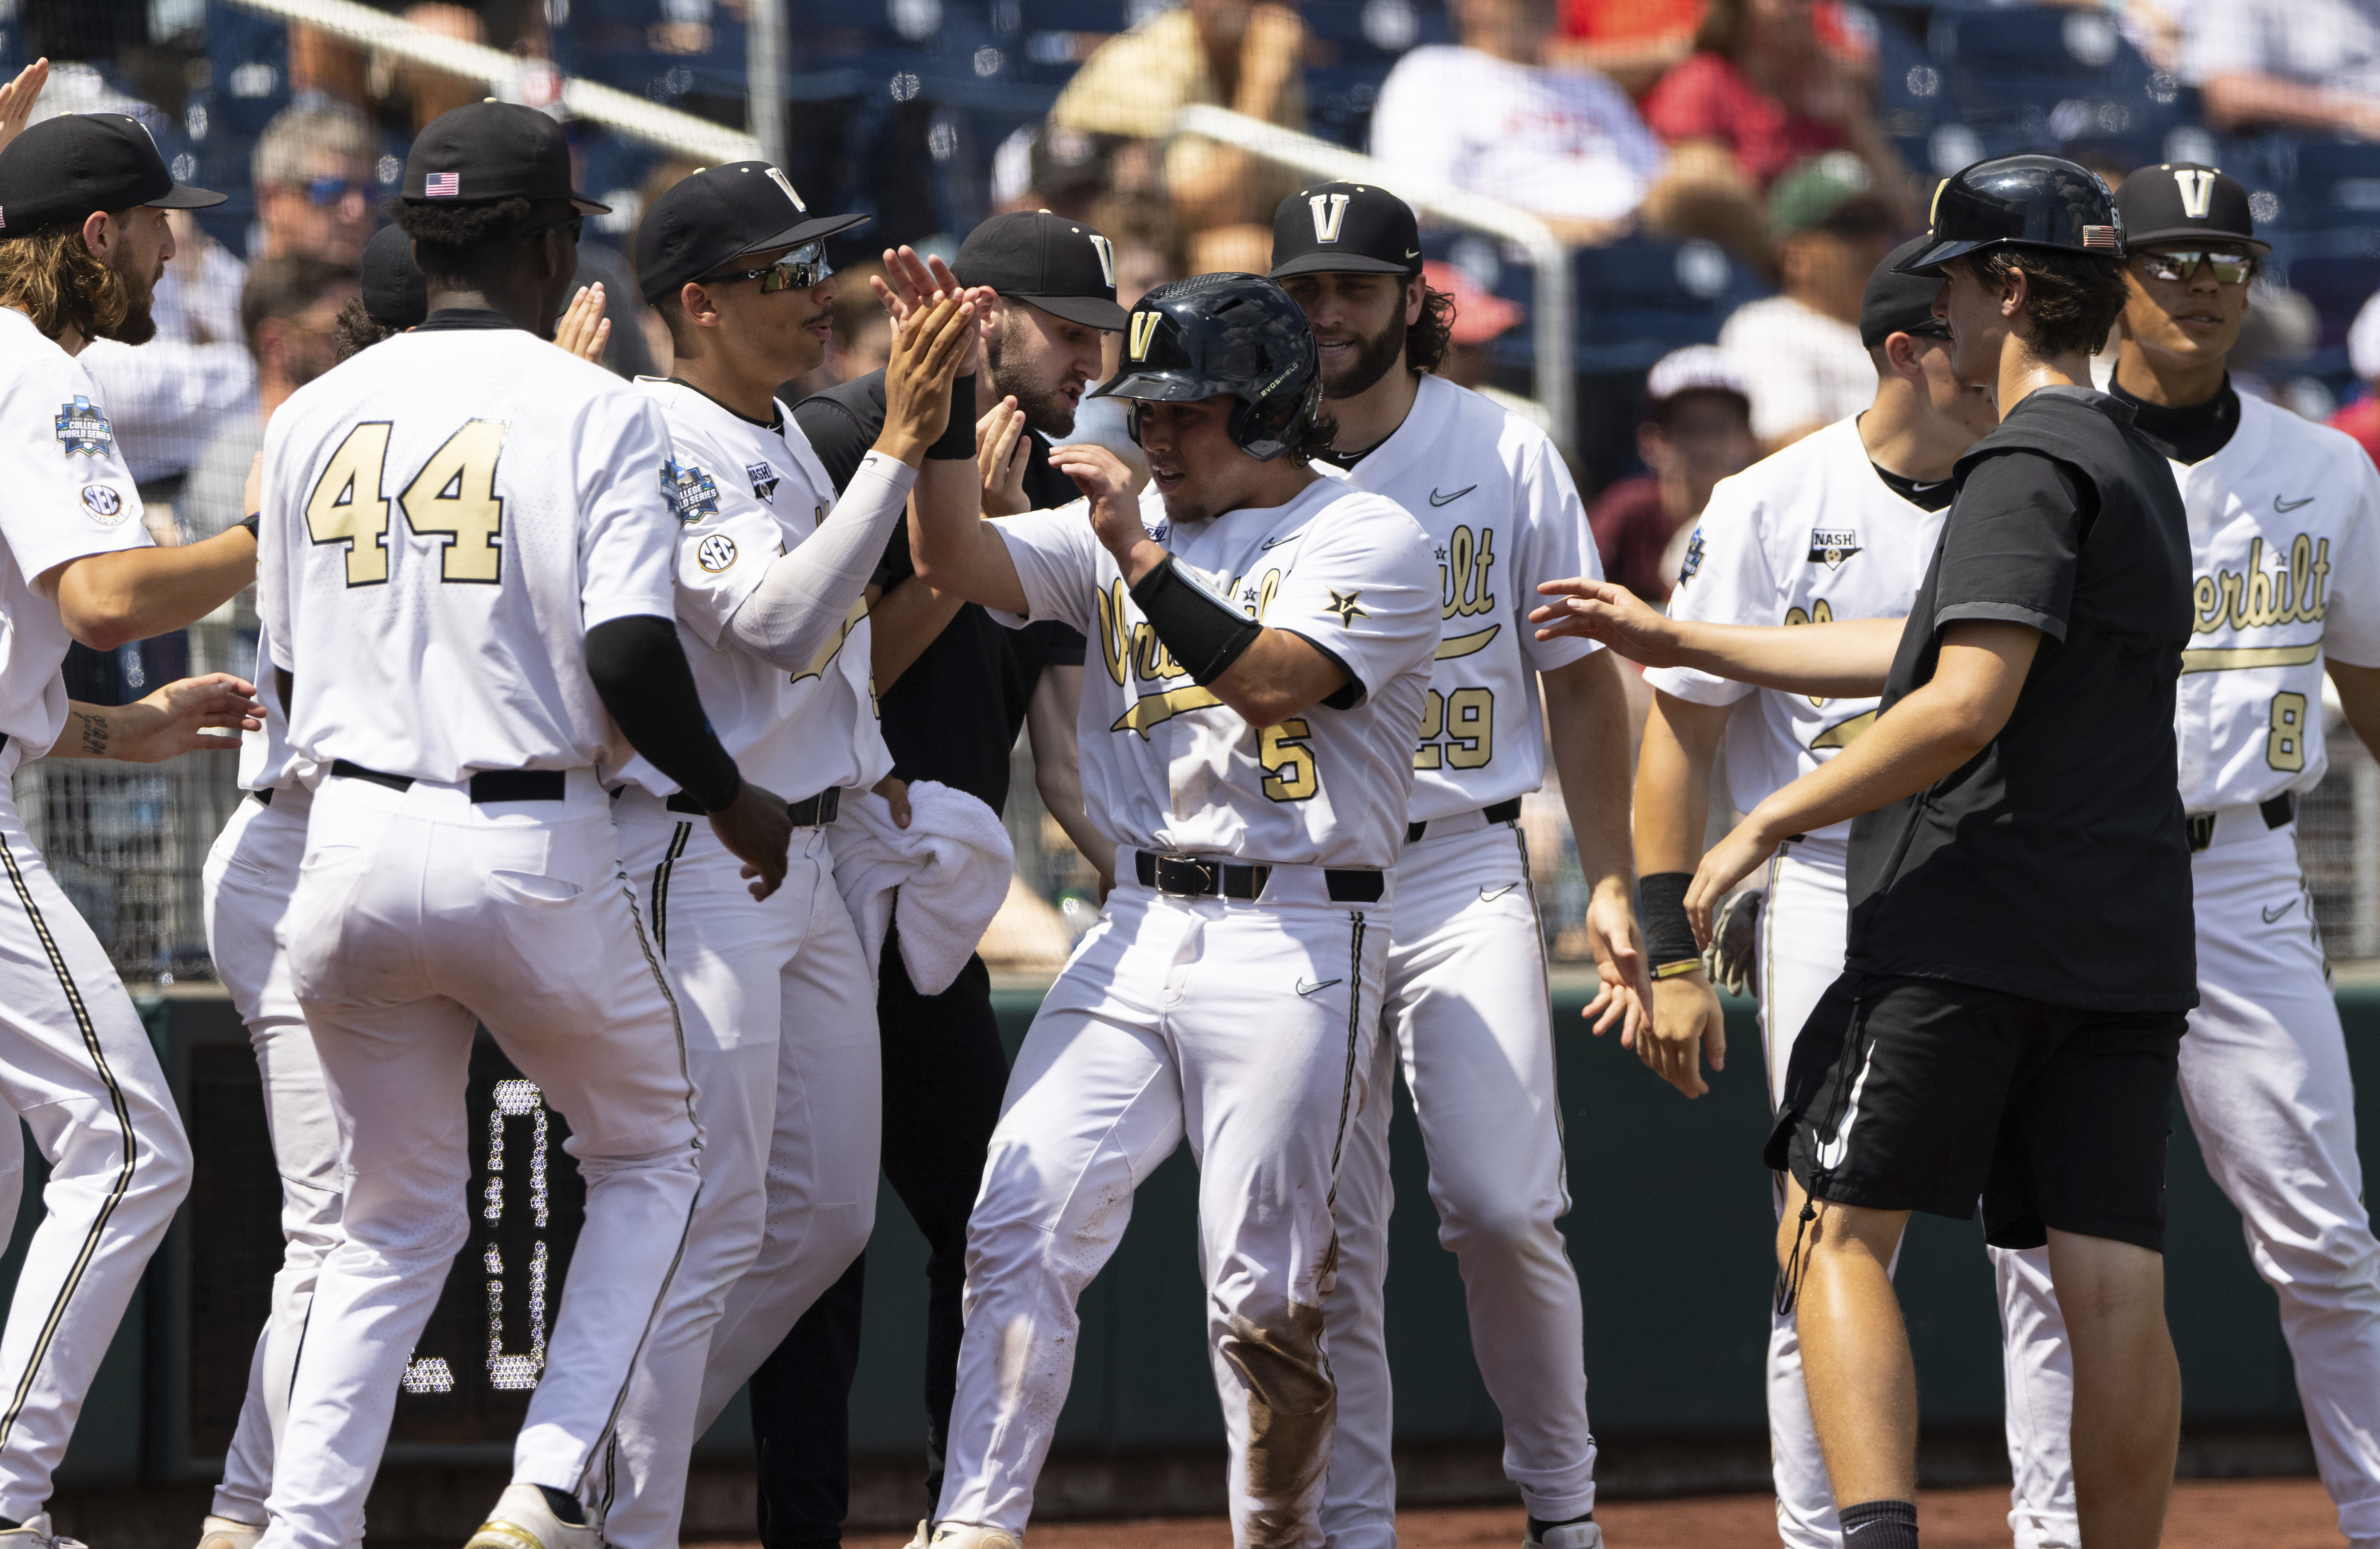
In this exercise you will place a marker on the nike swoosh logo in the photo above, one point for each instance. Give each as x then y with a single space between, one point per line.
1303 988
2272 914
1286 538
1436 498
1410 253
2287 506
1491 895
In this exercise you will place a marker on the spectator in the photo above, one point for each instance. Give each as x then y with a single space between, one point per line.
288 310
2362 417
314 170
1632 41
1772 82
2294 63
1486 115
1231 54
1481 317
1801 351
1697 431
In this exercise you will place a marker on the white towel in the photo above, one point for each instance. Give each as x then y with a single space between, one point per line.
948 871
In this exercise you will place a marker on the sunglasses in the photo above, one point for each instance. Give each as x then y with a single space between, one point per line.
2230 269
325 192
799 270
1932 328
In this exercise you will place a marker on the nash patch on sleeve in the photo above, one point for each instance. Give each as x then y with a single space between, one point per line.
84 427
690 492
764 481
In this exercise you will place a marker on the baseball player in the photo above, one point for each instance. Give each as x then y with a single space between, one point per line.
83 242
2017 962
2284 551
1465 1005
1839 525
1264 638
466 585
779 1001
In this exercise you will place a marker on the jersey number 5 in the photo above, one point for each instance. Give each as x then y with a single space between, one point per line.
453 497
1290 775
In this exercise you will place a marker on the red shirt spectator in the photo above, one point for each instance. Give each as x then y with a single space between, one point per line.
1707 97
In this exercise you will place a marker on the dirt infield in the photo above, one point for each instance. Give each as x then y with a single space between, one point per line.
2207 1514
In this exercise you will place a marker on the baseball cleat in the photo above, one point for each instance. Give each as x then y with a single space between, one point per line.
36 1533
1567 1535
966 1535
523 1520
228 1532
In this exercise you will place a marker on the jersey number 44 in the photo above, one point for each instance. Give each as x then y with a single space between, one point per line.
453 499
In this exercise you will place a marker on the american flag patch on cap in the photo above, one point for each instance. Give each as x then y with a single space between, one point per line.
2099 236
449 184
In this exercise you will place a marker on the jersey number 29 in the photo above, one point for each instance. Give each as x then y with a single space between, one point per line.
453 497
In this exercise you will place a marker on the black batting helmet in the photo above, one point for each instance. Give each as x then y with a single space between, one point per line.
2021 201
1213 335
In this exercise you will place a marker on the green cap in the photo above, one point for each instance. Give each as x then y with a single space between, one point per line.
1820 190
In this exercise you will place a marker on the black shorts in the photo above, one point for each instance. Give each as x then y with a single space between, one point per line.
1908 1093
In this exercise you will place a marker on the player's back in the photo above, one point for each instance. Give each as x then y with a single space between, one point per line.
448 515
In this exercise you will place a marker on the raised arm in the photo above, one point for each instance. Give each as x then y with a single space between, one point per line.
1846 659
1925 736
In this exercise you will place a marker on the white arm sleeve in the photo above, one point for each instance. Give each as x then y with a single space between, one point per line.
809 589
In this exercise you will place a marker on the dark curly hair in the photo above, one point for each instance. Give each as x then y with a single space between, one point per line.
1312 439
355 331
465 244
2071 299
1429 336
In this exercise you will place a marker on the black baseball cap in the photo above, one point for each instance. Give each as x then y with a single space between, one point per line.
487 150
721 213
395 293
2185 201
1344 228
62 169
1062 266
1899 303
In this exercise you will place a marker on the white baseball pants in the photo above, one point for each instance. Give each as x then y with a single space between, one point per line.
1467 1011
2264 1080
416 915
778 1006
1802 928
248 880
1248 1027
75 1065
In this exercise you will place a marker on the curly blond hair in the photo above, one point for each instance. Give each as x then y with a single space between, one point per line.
55 278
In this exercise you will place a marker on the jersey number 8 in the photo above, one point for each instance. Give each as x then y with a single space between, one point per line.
453 497
2285 743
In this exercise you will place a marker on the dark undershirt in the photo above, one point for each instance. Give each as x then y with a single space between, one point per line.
1338 459
2192 433
1935 496
445 317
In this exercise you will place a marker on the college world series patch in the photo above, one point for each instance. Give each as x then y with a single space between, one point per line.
690 491
84 427
1831 546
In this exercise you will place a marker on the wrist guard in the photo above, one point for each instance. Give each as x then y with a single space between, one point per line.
1201 631
1661 907
958 436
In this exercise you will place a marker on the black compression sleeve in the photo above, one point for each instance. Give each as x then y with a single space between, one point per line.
640 674
1204 634
1661 906
958 436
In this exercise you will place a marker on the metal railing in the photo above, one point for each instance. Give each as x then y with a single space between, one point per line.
1551 314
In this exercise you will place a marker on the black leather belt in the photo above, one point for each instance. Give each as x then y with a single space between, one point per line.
1188 877
263 798
815 813
1502 812
488 785
2277 813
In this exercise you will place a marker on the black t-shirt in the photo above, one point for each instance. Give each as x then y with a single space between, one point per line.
2192 433
2054 865
954 714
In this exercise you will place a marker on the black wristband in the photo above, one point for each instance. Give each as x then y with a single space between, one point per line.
1202 632
1661 906
251 522
958 436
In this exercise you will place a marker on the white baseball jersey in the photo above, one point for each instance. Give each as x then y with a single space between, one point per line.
69 495
2285 540
1811 535
745 493
267 762
1502 516
1165 766
446 516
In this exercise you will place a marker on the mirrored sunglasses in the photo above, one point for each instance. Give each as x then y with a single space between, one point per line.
799 270
2230 269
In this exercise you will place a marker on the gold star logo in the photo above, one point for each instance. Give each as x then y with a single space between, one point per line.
1347 607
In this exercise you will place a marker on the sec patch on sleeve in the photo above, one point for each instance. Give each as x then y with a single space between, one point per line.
107 506
715 553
